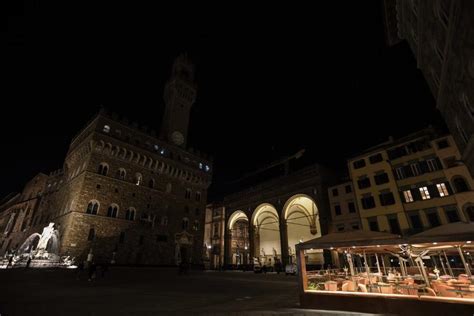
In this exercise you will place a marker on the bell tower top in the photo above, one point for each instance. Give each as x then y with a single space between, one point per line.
179 96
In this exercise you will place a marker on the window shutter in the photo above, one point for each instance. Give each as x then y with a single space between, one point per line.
439 166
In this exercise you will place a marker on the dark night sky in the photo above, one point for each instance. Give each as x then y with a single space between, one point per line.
271 80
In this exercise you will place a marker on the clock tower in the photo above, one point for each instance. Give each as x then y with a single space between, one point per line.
179 96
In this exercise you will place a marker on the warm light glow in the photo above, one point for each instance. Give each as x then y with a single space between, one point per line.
435 243
468 242
425 194
443 191
408 196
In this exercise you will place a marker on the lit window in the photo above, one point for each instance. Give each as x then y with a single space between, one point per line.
200 165
106 129
408 196
162 152
443 191
207 168
156 147
425 194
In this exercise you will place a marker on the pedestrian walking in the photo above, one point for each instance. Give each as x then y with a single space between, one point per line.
10 261
92 269
28 262
80 269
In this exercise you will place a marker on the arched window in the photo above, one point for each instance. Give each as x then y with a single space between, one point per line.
469 211
151 183
187 195
103 169
164 221
198 196
91 235
106 129
196 225
112 211
92 207
138 178
121 173
460 184
185 223
130 214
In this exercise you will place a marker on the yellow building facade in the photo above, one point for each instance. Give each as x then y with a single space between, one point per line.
412 184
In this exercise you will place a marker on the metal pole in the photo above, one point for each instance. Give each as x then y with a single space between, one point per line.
423 271
402 265
442 264
447 263
466 266
378 265
367 269
383 264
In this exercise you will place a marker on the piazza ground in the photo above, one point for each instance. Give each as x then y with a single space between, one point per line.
148 291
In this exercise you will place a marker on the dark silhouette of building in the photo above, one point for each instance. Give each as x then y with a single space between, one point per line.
122 189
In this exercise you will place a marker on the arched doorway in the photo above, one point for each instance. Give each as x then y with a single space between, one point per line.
302 222
239 232
266 225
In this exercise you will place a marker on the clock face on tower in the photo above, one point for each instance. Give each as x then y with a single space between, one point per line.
177 138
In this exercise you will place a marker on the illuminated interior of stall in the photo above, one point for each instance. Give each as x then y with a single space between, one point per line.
441 270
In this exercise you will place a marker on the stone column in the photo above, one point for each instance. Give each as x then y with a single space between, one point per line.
251 241
227 246
256 243
284 242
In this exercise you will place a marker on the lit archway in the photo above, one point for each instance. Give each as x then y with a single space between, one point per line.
265 221
238 226
302 219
